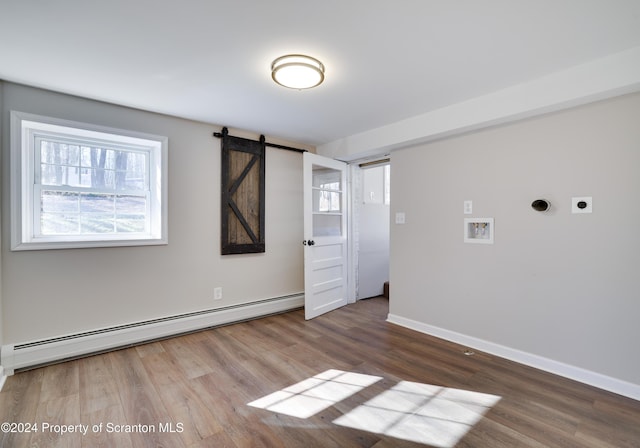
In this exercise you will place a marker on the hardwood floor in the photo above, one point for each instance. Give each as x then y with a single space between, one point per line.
345 379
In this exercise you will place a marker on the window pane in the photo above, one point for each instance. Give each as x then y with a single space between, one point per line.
130 181
137 162
109 178
326 201
97 213
130 223
327 225
96 223
91 157
89 213
60 175
131 169
48 151
97 178
130 212
74 155
109 159
92 167
59 223
127 204
97 203
53 174
85 156
58 201
327 178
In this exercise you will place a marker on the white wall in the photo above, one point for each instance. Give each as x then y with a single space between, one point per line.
373 235
55 292
561 286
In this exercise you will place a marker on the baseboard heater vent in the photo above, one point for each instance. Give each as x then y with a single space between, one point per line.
15 357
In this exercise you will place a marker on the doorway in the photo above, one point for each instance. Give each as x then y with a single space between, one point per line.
371 226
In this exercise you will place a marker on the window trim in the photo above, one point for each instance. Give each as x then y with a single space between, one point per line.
24 126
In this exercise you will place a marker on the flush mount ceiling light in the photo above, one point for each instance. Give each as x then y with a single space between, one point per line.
297 71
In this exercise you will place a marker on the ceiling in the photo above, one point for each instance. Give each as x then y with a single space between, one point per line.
386 61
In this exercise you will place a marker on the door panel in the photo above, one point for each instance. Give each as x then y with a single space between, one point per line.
325 253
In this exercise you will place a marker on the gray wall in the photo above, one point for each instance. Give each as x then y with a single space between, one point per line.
55 292
562 286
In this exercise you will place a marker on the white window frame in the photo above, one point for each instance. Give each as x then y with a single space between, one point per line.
25 210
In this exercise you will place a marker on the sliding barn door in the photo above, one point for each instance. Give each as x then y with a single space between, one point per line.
325 233
243 195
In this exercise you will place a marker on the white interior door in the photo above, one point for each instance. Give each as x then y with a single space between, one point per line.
325 233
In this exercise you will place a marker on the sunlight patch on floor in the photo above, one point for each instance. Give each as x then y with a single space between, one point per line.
421 413
315 394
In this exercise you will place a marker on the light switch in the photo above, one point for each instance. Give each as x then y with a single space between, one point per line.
400 218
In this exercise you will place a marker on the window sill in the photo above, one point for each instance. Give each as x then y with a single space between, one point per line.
48 245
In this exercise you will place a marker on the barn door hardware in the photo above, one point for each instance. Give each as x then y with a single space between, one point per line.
270 145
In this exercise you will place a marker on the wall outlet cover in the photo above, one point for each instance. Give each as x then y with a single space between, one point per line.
582 204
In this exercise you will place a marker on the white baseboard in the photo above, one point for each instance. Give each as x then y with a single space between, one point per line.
548 365
30 354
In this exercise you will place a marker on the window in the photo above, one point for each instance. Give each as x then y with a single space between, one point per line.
80 185
326 189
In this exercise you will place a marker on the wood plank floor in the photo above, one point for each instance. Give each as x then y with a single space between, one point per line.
359 382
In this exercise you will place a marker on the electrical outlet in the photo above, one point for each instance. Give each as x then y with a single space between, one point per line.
217 293
582 204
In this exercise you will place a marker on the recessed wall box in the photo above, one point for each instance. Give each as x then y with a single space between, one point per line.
582 204
478 230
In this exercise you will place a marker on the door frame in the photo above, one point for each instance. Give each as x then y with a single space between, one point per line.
354 176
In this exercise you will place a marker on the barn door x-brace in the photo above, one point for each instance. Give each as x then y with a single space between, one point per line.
243 194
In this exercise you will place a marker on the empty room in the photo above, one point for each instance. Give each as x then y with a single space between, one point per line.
332 224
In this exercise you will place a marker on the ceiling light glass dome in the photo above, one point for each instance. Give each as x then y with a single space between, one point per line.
297 71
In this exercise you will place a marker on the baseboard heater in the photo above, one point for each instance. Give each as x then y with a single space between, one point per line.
28 355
